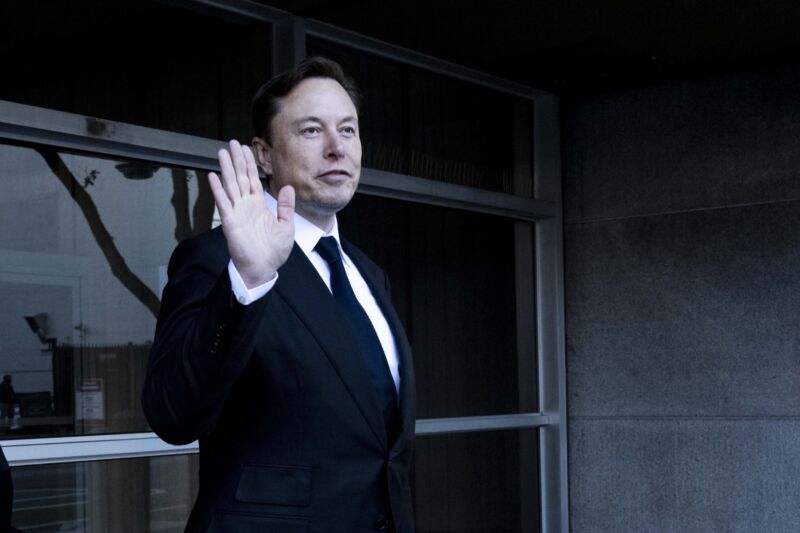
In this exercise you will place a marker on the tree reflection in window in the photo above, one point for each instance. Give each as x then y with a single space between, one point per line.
202 213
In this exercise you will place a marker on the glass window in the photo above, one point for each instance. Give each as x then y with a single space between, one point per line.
145 63
467 482
423 124
453 284
143 495
83 253
477 482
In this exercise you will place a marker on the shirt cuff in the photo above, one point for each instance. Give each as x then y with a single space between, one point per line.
244 295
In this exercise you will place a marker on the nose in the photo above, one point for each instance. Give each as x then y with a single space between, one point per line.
334 147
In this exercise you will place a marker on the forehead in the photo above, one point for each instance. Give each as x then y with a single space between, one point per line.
319 97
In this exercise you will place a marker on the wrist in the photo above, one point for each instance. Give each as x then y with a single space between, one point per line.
246 295
253 281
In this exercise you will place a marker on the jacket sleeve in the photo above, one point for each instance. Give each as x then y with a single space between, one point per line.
203 341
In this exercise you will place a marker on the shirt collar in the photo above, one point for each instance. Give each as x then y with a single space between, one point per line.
306 234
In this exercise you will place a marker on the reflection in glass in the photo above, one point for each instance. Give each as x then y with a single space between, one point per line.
424 124
453 285
146 63
477 482
139 495
83 253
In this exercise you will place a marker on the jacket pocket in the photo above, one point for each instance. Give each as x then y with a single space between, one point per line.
276 485
252 523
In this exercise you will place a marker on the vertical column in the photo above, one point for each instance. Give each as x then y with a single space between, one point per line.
550 319
526 319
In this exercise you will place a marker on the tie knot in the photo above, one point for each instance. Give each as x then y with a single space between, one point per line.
328 249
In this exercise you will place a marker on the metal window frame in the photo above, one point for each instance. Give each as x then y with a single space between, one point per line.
541 218
24 123
80 448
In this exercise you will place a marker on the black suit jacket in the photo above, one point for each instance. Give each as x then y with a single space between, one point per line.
291 434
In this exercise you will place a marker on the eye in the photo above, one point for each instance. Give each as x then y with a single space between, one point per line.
348 131
311 131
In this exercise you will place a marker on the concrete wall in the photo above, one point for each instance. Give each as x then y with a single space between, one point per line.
682 258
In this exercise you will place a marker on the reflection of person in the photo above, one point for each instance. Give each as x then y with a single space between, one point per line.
260 351
7 397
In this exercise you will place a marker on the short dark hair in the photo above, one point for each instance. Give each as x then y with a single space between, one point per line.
266 102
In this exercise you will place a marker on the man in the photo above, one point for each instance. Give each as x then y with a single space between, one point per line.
7 397
277 345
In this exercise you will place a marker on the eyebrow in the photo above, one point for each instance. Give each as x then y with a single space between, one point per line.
312 118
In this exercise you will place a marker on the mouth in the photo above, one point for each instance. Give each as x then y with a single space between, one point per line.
336 172
335 176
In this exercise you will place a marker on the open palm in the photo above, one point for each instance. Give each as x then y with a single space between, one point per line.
258 241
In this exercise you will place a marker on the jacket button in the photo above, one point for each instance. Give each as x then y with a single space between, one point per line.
381 525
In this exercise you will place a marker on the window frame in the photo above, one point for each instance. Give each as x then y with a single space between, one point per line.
538 243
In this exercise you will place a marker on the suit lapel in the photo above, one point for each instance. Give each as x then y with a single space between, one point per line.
301 287
376 282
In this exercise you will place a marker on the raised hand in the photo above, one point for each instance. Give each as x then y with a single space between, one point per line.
258 242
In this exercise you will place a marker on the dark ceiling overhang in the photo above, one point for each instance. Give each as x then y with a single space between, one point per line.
578 46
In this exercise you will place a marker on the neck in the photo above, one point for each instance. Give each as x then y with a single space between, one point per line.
323 222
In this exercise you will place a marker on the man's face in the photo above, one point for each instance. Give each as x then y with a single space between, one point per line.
315 148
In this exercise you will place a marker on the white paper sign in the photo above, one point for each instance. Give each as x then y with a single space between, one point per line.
89 399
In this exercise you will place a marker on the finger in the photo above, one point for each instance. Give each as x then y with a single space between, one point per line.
240 166
228 176
220 196
252 171
286 204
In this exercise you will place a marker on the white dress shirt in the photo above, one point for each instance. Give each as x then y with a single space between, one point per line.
306 235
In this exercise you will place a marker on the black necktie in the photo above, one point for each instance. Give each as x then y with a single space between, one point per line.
363 331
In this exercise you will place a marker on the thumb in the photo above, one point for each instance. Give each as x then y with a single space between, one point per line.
286 204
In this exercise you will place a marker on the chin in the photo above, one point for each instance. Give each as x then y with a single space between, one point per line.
335 206
326 207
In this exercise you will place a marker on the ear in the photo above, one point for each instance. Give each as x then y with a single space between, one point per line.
263 153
